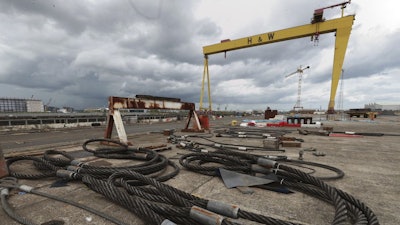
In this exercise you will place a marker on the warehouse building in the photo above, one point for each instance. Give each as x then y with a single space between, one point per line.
383 107
20 105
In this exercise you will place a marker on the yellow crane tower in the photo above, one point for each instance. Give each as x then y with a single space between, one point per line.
341 26
300 72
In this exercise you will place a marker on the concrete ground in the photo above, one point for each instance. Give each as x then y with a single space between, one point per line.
370 164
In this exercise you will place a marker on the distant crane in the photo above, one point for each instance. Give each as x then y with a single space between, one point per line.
47 105
340 104
300 72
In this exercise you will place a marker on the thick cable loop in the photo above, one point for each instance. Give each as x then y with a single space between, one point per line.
339 199
149 210
196 161
111 141
58 161
12 183
138 187
345 205
40 163
229 145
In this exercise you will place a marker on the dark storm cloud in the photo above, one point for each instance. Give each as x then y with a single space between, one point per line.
81 52
62 13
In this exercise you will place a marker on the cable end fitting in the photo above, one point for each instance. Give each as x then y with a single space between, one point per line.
25 188
75 169
223 208
66 174
182 144
259 169
266 162
4 191
167 222
205 217
77 163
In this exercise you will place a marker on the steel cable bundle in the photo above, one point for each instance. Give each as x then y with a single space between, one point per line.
182 203
161 204
138 187
8 183
55 162
194 145
346 206
61 164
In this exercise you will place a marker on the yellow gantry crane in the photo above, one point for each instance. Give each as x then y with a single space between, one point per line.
299 71
341 26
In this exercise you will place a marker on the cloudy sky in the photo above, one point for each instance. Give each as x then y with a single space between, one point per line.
77 53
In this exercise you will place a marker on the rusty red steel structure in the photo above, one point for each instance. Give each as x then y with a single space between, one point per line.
148 102
145 102
3 166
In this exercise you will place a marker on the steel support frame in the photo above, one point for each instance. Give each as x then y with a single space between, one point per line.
114 115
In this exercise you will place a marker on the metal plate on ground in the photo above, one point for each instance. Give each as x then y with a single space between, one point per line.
234 179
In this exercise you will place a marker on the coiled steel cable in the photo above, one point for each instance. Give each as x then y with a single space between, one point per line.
51 156
343 202
45 168
55 162
166 194
12 182
340 199
233 146
283 159
6 184
152 161
164 203
152 212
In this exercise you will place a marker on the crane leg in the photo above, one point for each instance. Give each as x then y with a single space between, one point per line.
342 39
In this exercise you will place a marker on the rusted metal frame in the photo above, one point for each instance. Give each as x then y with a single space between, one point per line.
146 102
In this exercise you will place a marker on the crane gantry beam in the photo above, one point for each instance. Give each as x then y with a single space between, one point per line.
342 26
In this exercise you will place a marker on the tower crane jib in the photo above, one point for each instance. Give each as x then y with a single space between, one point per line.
299 71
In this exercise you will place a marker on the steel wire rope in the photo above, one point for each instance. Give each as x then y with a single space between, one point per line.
48 169
12 182
185 199
251 130
6 184
337 196
141 207
194 161
186 161
341 200
355 213
111 192
283 159
57 161
340 215
237 145
11 213
41 163
153 162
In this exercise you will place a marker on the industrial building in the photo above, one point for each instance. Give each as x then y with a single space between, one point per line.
20 105
383 107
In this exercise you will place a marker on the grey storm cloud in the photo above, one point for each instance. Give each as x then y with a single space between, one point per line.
80 52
